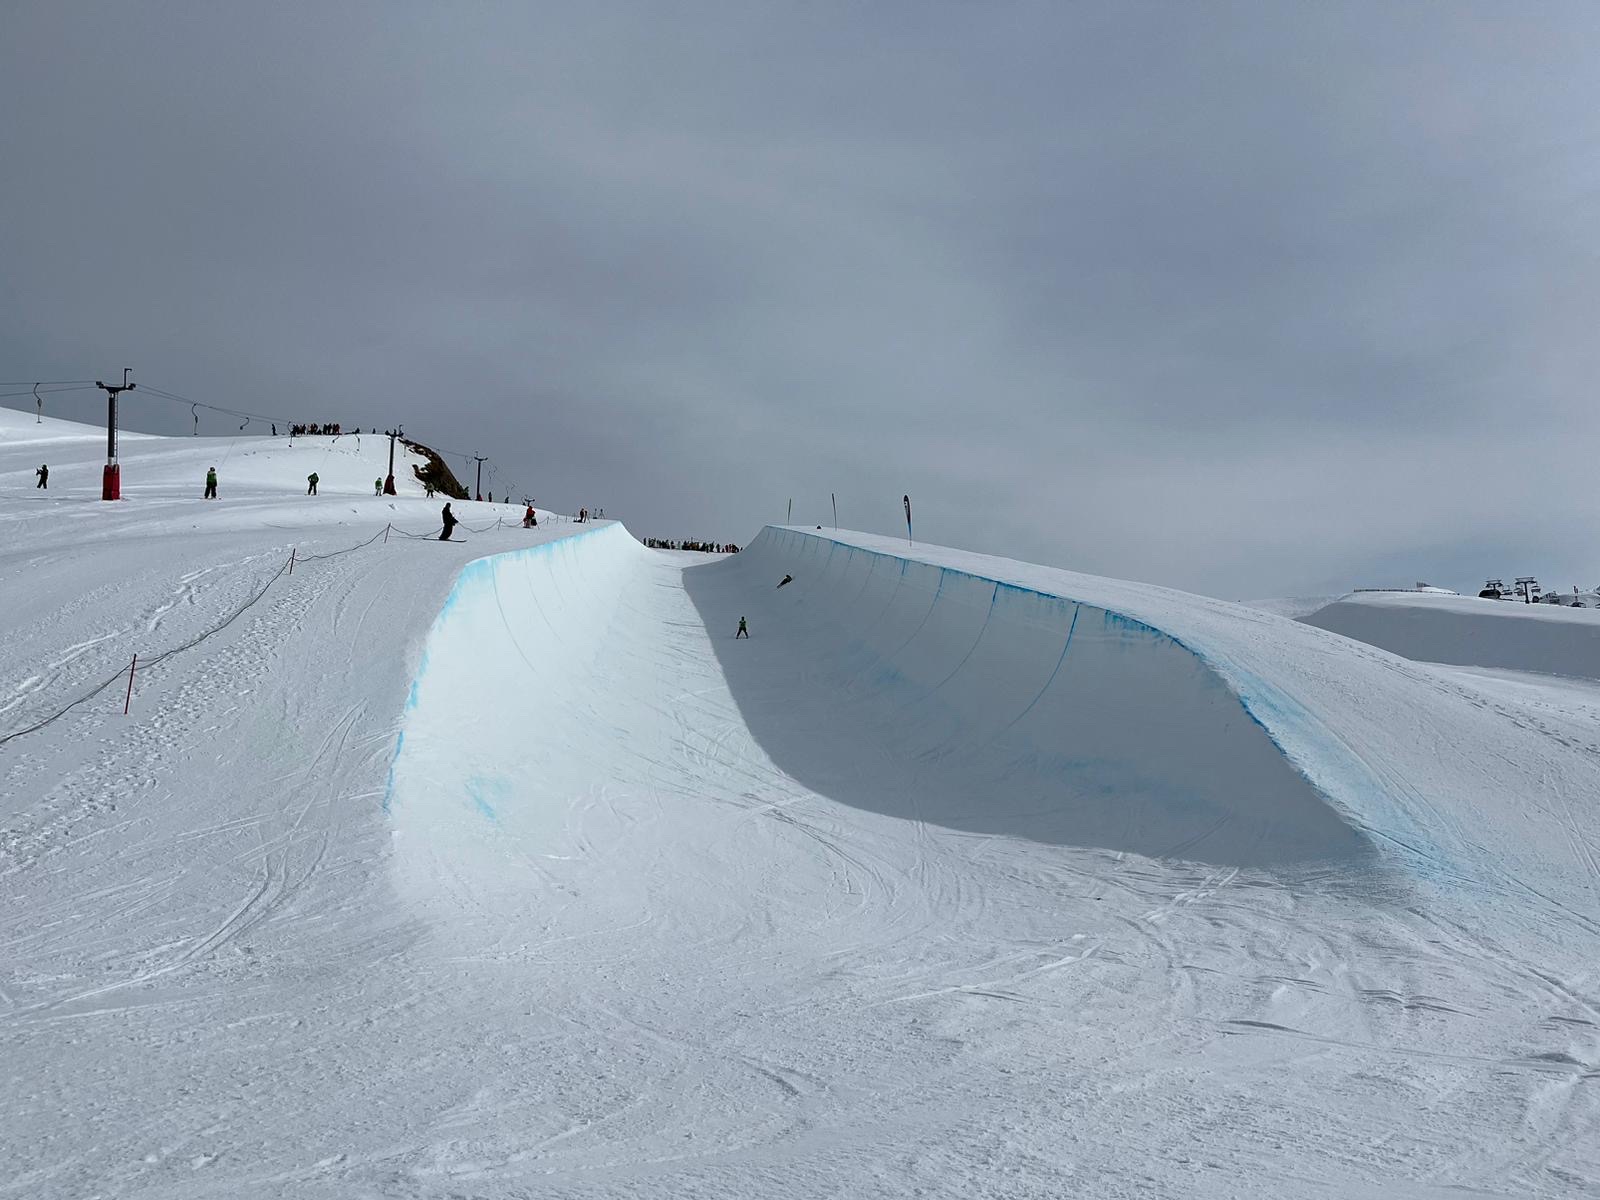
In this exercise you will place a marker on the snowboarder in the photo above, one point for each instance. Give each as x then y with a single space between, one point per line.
377 487
786 579
449 519
211 483
744 631
529 518
311 481
44 476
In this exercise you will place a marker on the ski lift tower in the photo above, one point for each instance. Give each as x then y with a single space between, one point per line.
1527 588
111 480
388 482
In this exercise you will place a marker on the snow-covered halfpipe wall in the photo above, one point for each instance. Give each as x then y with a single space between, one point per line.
1006 709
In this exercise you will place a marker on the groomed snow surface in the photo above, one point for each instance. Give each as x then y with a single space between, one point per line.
504 870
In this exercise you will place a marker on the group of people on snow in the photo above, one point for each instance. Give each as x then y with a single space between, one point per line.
530 518
689 544
333 429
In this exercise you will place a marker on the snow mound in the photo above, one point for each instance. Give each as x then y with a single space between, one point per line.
1468 632
1293 607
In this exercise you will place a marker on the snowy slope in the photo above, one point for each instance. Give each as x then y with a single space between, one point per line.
1466 631
905 791
435 874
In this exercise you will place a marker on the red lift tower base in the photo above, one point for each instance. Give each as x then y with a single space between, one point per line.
111 481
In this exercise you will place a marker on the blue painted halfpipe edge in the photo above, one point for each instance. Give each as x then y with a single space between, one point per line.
470 576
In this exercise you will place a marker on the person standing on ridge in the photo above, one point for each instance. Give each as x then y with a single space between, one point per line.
529 518
744 631
450 522
211 483
44 476
377 487
311 482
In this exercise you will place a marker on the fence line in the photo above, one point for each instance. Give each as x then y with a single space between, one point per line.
156 660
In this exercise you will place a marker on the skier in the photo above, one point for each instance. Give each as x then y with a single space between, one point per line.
529 518
449 522
44 476
744 631
211 483
427 490
311 481
786 579
377 487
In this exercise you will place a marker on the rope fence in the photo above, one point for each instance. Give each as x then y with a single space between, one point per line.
295 559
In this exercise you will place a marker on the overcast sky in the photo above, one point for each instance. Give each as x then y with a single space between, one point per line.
1258 299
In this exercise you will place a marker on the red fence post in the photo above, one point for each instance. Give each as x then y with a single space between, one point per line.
128 699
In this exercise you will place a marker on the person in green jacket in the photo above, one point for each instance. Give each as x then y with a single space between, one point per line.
211 483
311 479
377 487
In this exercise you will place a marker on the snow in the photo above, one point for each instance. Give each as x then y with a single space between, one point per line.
1467 631
1293 607
502 870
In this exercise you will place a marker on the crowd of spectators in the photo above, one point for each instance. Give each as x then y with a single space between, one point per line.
702 547
330 429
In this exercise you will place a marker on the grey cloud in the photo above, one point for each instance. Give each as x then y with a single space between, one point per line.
1247 298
